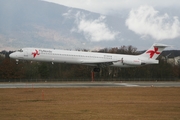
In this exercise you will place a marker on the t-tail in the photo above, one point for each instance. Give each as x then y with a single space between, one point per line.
154 51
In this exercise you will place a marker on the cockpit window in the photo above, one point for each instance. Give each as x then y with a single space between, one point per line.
20 50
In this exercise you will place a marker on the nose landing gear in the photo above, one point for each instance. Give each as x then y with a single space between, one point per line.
17 61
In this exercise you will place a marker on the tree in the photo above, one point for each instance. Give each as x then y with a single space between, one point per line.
9 70
43 70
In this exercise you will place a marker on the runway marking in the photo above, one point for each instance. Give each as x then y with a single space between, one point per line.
127 85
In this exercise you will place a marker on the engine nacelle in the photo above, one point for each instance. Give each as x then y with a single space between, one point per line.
133 62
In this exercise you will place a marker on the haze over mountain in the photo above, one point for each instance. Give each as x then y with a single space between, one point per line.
35 23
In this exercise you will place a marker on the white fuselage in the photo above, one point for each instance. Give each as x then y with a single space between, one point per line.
78 57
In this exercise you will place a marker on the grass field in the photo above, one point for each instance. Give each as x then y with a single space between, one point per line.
90 104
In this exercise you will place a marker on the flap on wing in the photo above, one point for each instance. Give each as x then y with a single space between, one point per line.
99 63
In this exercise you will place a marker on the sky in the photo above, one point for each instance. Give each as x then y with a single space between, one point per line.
144 19
135 22
109 6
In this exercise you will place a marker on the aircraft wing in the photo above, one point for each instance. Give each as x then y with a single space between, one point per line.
99 63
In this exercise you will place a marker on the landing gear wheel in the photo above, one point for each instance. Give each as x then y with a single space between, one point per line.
96 69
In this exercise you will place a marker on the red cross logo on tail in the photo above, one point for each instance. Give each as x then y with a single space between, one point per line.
152 52
35 53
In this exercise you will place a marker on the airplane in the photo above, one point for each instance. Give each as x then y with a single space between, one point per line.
99 60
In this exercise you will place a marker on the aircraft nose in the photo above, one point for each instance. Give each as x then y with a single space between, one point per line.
12 55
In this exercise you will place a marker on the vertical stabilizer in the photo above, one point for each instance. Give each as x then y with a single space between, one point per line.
154 51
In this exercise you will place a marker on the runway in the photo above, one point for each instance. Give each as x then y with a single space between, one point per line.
89 84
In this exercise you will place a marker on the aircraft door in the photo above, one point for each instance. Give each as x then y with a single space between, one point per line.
25 53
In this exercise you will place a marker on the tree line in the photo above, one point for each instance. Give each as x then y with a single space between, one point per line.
46 70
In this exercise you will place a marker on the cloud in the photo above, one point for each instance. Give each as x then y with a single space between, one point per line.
94 30
67 14
147 21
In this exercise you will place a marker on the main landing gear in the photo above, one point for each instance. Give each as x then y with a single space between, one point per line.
96 69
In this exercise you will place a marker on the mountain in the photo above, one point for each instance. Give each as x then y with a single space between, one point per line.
36 23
